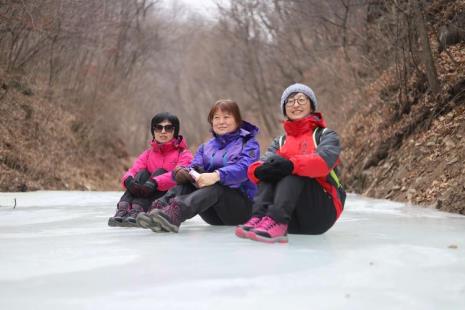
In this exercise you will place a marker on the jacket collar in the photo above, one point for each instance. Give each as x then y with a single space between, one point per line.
246 130
225 139
304 125
173 144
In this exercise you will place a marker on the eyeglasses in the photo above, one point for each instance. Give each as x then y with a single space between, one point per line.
167 128
300 101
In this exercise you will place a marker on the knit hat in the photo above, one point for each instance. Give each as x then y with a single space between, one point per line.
165 116
298 88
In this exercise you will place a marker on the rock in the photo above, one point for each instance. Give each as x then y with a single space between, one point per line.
425 150
438 204
449 142
452 161
410 194
448 195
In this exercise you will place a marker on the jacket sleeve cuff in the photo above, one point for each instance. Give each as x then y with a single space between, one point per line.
294 164
123 179
251 171
220 175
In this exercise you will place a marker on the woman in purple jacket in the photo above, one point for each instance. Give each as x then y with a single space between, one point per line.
215 185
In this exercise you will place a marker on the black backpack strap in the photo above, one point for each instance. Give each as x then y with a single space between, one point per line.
317 133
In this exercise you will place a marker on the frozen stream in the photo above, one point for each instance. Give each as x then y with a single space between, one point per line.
57 252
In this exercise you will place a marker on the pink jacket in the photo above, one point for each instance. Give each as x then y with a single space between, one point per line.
167 156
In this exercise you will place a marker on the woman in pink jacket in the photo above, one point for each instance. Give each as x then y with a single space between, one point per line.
151 174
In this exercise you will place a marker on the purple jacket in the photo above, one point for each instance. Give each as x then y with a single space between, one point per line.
231 154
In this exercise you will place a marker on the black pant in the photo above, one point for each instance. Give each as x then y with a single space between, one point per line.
141 177
299 201
216 204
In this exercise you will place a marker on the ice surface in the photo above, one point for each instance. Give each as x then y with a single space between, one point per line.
57 252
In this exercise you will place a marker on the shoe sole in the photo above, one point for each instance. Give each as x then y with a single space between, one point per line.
114 223
241 232
252 235
147 222
128 224
164 223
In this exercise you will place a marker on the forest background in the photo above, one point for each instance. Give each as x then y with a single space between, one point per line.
81 79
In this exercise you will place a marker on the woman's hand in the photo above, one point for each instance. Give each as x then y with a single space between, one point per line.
207 179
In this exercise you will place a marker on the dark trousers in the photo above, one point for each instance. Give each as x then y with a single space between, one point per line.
298 201
216 204
140 178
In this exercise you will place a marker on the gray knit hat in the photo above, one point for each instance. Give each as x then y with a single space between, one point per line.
298 88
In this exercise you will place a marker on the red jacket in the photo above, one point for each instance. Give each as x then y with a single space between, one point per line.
167 156
309 160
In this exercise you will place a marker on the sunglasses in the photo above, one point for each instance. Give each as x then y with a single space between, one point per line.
167 128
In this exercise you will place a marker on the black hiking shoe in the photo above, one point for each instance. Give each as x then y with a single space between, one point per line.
144 220
169 218
121 212
130 219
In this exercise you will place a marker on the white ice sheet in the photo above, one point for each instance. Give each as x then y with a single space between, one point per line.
57 252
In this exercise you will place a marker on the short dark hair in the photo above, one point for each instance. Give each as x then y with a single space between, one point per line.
226 105
165 116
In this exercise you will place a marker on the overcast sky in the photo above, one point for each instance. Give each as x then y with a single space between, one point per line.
204 7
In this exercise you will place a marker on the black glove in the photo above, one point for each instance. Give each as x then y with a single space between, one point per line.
130 184
274 169
182 176
280 164
148 189
199 169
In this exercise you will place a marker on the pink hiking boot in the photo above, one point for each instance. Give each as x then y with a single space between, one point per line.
269 231
242 230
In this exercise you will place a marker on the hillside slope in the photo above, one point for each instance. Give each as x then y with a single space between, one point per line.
45 146
415 152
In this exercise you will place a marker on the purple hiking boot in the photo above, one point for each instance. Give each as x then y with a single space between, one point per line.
242 230
269 231
169 217
130 219
144 220
122 209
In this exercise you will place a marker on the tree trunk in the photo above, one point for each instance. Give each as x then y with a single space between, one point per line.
426 52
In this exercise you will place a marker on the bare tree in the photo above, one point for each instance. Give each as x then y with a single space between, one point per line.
427 55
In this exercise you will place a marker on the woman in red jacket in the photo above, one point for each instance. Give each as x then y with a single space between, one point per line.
298 190
150 177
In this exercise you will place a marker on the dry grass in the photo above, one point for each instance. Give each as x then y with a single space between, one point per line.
43 146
